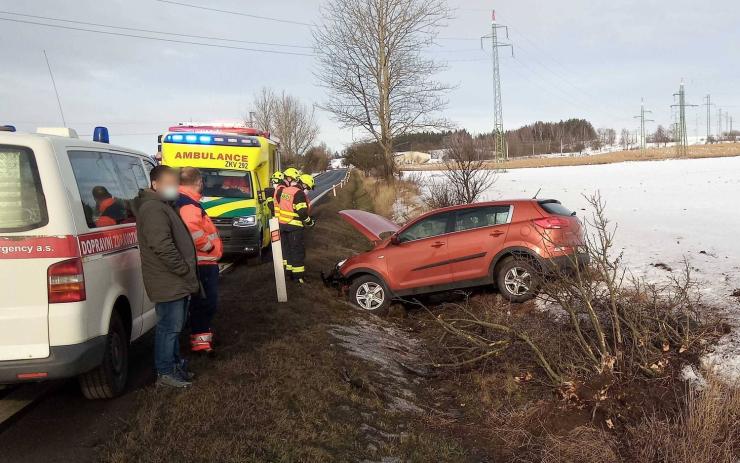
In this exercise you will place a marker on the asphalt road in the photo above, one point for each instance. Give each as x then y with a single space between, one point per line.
326 180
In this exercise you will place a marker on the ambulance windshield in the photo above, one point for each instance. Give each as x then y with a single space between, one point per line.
227 184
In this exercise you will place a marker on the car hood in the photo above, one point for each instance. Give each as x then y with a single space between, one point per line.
369 224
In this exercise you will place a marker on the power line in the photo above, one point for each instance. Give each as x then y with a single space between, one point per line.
151 31
161 39
238 13
562 75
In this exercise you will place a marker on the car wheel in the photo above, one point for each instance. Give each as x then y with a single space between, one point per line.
517 279
109 379
370 294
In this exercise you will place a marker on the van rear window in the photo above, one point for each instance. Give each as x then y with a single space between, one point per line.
22 203
554 207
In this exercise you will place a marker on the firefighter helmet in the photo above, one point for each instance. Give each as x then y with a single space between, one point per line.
292 172
307 180
277 177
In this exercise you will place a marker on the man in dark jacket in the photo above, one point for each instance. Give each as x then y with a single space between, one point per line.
168 264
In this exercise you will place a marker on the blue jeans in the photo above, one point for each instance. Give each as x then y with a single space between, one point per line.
170 321
202 309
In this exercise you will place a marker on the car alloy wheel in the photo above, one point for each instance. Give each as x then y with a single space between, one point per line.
518 281
370 295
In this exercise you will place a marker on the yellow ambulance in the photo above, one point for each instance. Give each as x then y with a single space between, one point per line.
236 163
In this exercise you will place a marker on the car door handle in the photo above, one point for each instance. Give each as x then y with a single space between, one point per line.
496 233
438 244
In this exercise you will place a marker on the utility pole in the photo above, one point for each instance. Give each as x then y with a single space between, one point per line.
708 104
682 139
643 111
719 124
732 135
499 135
727 124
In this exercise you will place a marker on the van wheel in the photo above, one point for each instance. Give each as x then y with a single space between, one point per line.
109 379
370 294
517 279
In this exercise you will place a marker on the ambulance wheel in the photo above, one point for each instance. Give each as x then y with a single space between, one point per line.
109 379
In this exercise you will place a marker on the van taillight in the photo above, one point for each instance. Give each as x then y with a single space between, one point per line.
552 223
66 281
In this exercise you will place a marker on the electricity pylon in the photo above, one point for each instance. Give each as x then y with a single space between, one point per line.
643 111
499 135
682 141
709 104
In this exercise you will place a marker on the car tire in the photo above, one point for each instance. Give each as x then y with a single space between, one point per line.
370 294
517 279
108 380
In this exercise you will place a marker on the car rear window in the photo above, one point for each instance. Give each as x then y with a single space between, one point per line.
554 207
22 203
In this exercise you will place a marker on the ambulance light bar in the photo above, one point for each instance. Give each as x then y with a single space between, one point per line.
221 140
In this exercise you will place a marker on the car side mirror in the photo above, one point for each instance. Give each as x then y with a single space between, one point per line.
395 240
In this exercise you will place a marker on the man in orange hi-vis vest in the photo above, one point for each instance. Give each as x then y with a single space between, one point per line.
294 216
209 249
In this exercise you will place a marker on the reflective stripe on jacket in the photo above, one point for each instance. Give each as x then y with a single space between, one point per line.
276 199
208 244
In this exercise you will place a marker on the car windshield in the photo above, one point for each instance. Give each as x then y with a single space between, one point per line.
22 204
227 184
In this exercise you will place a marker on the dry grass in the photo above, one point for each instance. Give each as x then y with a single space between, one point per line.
581 445
706 431
653 154
396 200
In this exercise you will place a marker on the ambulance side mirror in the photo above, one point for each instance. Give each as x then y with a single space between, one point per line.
260 196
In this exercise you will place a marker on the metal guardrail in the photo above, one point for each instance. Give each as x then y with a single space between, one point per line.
333 187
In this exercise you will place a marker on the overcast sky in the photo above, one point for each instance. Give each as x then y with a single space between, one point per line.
574 58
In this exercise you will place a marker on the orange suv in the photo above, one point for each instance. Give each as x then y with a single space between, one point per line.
509 244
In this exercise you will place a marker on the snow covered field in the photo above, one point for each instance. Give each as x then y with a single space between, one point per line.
664 211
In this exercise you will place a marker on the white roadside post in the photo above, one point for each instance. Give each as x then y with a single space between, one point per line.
277 260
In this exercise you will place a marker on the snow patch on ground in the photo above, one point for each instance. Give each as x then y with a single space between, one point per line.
394 354
665 211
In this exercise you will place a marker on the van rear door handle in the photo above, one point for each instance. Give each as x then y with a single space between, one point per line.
438 244
497 233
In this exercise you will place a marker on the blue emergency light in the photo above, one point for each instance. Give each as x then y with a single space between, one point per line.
100 134
202 139
7 128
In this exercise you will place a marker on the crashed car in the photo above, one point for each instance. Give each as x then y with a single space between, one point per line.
509 244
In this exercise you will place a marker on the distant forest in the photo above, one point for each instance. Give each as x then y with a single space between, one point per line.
573 135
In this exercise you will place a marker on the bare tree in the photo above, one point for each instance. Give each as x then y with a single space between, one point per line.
288 118
316 159
661 135
625 139
371 63
466 177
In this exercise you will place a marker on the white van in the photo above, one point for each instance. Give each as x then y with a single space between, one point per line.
73 297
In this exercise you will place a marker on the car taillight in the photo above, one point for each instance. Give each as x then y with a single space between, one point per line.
66 281
552 223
